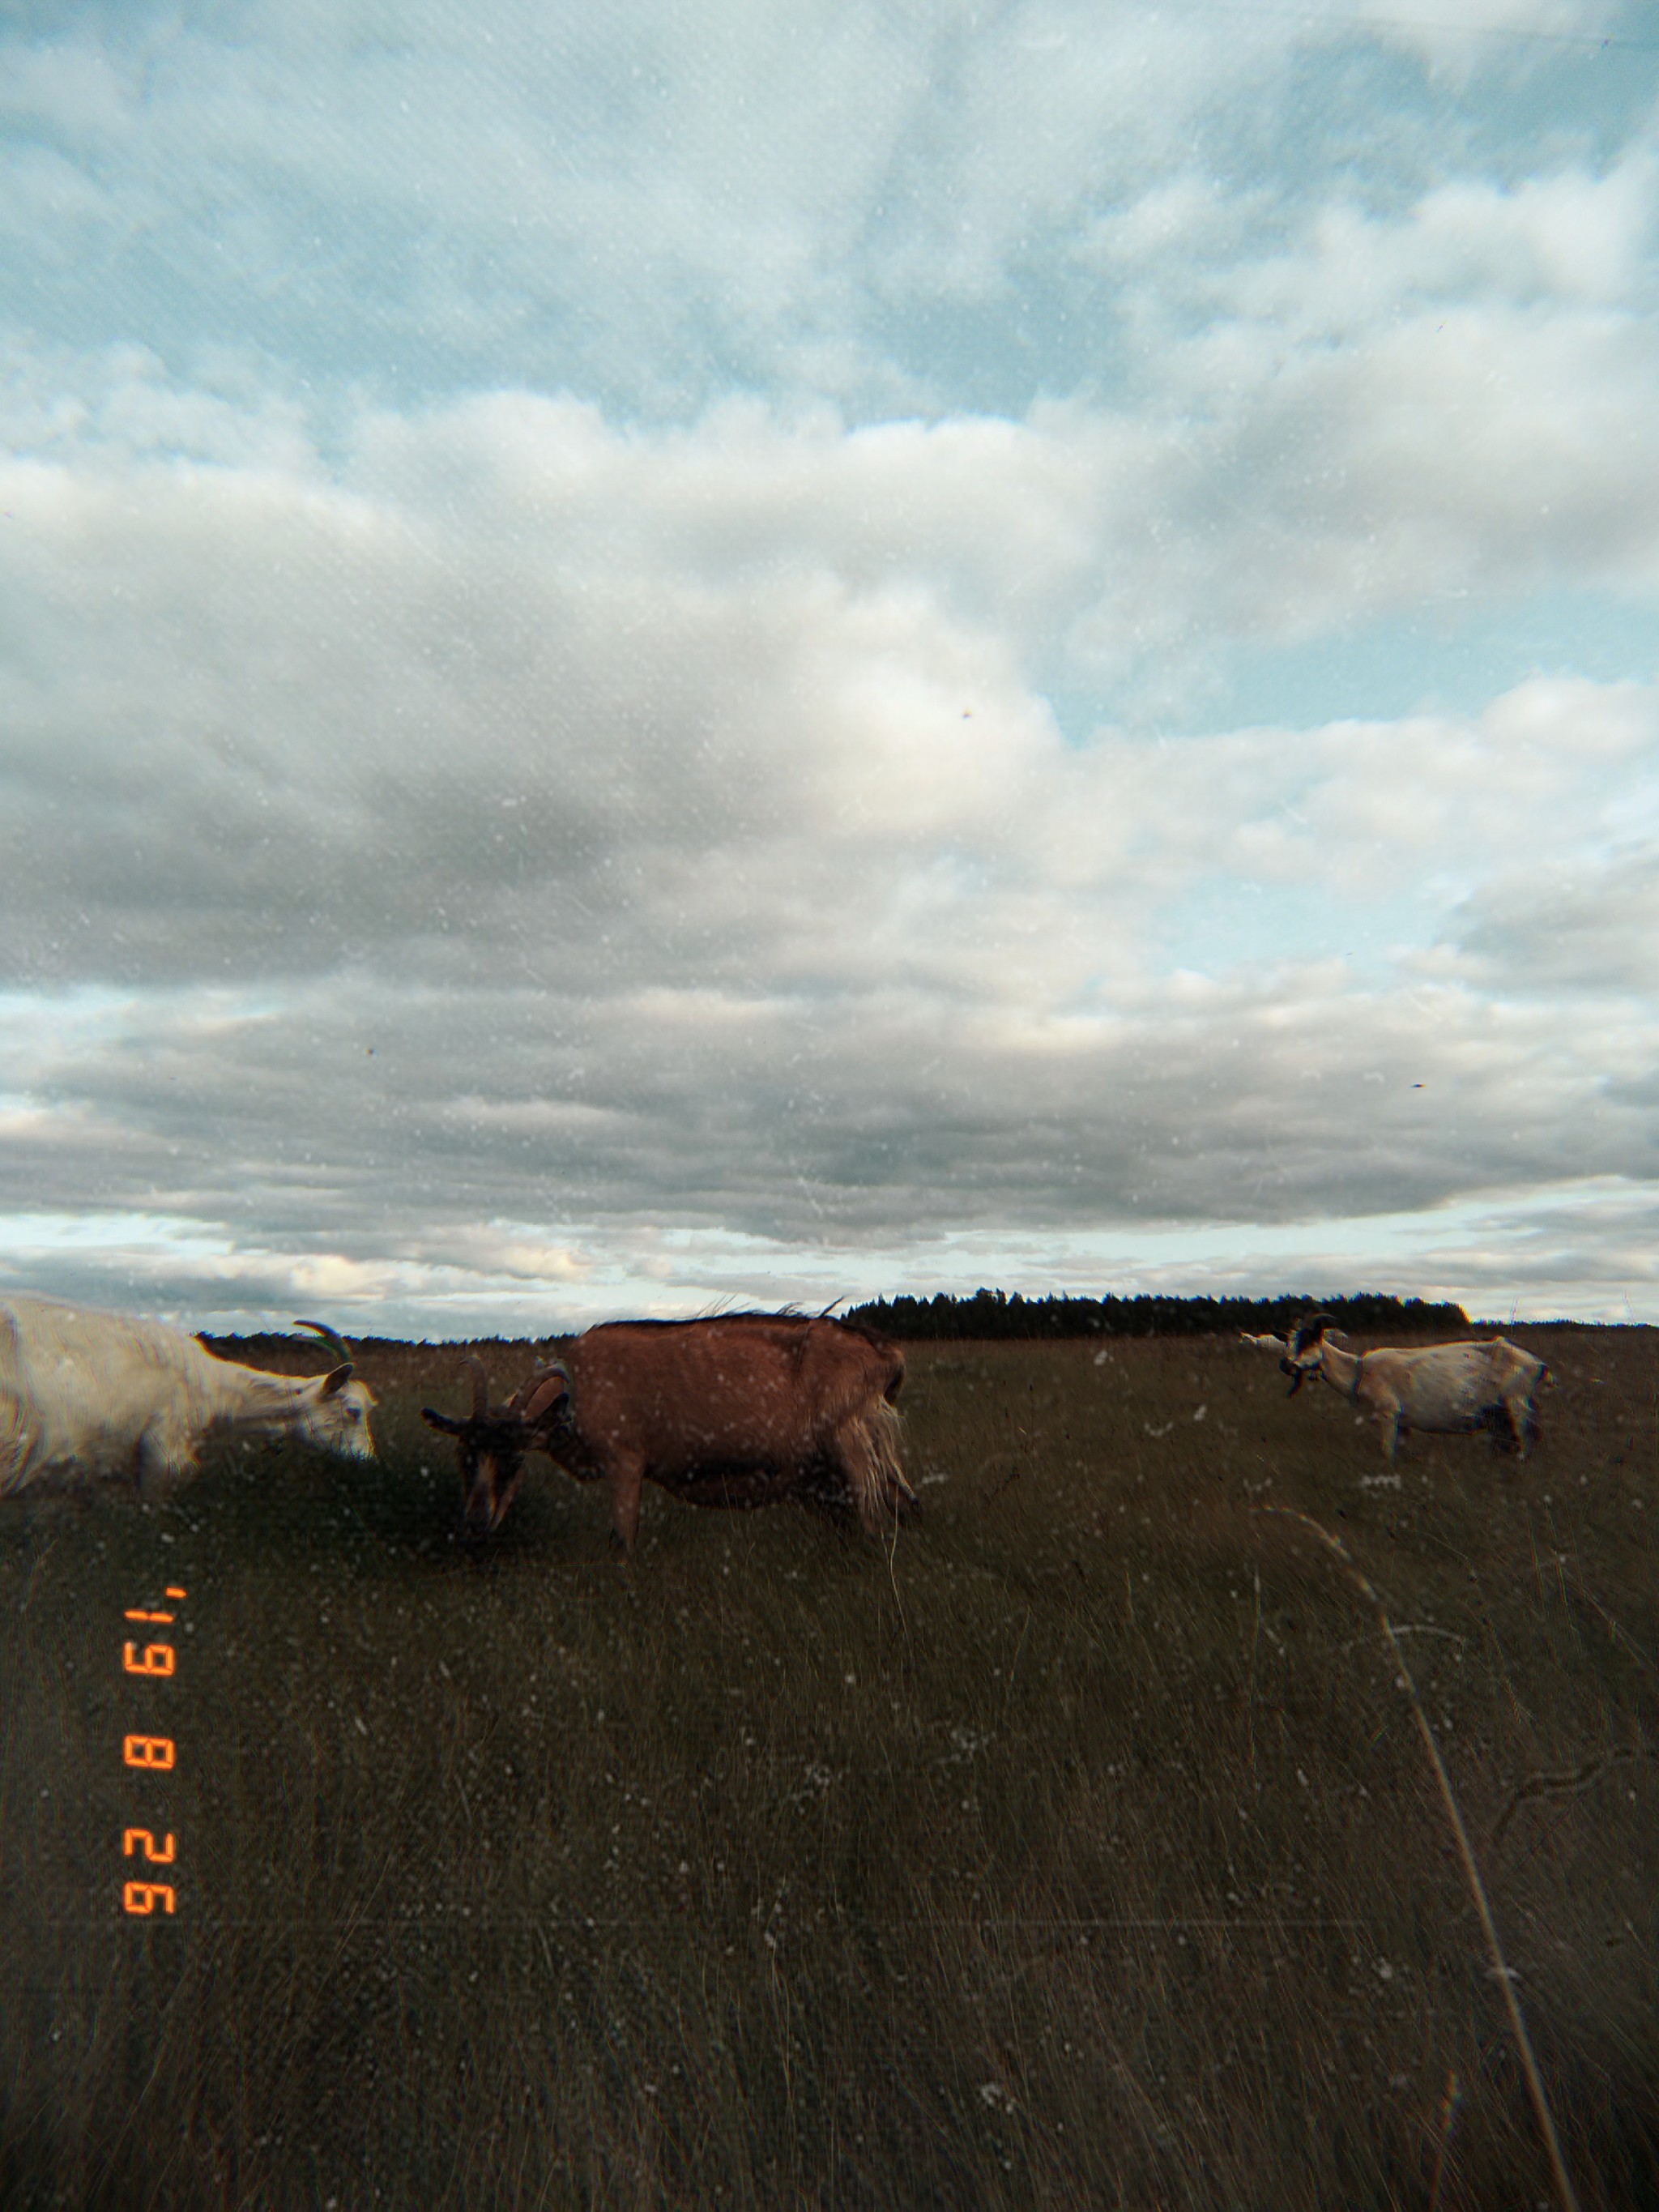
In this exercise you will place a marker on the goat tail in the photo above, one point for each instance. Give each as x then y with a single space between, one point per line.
875 1472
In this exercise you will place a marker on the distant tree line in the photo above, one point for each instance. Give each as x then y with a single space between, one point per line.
995 1313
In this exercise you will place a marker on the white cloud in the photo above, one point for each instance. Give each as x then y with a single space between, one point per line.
653 205
1514 35
273 722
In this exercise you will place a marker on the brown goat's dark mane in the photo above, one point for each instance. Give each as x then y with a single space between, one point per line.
789 1316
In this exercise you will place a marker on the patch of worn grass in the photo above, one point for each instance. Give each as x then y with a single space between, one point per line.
1075 1847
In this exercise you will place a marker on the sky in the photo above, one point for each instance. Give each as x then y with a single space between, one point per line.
674 655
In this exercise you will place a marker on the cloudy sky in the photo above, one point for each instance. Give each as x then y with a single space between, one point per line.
760 649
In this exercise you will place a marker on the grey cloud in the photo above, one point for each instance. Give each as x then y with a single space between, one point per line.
854 1120
1587 1250
1569 926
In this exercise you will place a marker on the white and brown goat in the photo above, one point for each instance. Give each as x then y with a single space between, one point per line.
1439 1389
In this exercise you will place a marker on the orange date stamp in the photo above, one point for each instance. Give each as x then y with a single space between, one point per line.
149 1754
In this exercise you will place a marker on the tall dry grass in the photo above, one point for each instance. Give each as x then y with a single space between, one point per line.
1076 1848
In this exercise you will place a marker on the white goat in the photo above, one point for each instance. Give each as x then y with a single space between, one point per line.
85 1394
1262 1343
1442 1389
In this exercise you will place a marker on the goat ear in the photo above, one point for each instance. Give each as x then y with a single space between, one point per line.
437 1420
545 1402
335 1379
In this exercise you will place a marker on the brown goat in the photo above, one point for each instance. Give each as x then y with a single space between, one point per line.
736 1411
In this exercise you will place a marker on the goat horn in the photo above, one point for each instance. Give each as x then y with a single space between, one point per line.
331 1338
475 1367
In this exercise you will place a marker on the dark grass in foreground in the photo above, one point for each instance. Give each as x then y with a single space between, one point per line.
1078 1850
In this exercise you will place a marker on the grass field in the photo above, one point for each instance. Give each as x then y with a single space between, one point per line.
1076 1848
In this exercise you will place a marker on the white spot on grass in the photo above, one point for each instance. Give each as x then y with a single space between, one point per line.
818 1782
968 1743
